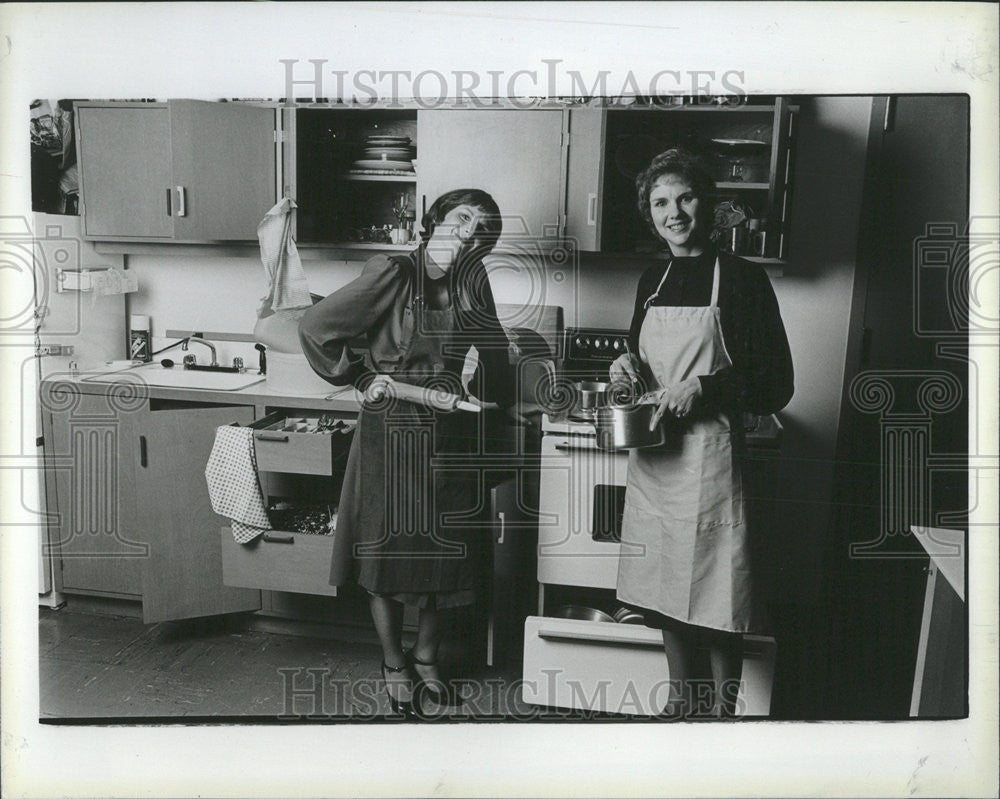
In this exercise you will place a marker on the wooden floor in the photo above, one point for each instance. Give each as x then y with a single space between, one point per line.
113 667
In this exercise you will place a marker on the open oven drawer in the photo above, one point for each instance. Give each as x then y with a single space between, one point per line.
279 561
286 442
621 668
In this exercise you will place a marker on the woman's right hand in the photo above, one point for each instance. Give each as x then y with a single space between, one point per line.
624 369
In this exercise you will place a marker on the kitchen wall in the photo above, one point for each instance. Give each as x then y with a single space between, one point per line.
222 294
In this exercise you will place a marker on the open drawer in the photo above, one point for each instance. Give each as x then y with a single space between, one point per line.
621 668
279 561
286 442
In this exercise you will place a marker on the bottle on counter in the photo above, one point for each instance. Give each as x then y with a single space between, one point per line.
140 338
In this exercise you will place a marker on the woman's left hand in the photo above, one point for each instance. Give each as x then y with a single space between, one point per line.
679 399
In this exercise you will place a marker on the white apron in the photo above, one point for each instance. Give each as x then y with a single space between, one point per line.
683 530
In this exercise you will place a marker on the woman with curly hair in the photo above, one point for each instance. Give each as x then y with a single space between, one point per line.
709 344
411 477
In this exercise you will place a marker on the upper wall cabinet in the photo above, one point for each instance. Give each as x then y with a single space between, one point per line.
515 155
747 147
184 171
348 198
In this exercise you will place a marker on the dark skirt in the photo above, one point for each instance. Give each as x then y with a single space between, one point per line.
410 524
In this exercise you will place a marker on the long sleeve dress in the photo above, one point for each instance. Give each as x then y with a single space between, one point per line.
407 524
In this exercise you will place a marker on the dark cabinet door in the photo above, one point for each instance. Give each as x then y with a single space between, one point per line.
903 437
182 573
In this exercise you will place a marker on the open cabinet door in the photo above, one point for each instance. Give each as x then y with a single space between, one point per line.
182 576
224 160
516 156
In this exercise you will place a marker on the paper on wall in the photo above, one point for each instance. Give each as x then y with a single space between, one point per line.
113 281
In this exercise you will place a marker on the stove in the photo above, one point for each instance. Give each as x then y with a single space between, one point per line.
588 352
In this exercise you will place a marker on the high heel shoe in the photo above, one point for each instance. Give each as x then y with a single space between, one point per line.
399 707
443 693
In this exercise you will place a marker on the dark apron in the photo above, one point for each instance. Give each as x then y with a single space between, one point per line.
408 520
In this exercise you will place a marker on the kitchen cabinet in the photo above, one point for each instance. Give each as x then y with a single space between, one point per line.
89 452
518 156
515 155
182 573
338 205
184 171
747 147
132 517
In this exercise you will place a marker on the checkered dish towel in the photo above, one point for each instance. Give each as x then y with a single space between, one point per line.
231 473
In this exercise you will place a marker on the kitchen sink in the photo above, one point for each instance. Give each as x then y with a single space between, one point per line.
177 377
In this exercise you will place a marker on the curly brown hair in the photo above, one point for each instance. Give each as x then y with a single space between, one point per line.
490 224
684 164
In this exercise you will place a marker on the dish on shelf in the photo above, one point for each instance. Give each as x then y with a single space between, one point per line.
387 141
740 142
389 153
384 164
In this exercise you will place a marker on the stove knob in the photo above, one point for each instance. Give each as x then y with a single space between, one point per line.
616 345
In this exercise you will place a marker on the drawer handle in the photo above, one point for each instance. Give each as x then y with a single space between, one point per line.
567 447
143 452
595 637
278 539
266 436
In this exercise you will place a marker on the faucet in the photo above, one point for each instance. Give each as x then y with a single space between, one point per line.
199 340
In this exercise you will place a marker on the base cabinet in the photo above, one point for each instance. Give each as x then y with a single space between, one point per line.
89 451
621 668
131 516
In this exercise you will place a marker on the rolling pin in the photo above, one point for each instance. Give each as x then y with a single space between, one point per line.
431 398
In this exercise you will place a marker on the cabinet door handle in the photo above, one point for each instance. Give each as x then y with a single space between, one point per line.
170 201
270 538
181 201
266 436
143 454
500 534
592 210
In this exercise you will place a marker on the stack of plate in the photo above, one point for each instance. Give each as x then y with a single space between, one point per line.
387 152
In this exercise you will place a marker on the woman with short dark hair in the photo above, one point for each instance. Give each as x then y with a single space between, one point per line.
411 486
709 343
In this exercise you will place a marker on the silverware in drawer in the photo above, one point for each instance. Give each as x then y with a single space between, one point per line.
301 445
279 561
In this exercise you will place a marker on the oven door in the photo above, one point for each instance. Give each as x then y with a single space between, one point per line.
581 493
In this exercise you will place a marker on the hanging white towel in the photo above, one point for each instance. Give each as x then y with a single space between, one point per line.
288 295
289 289
231 473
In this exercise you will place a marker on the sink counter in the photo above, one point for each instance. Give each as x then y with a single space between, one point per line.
346 398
